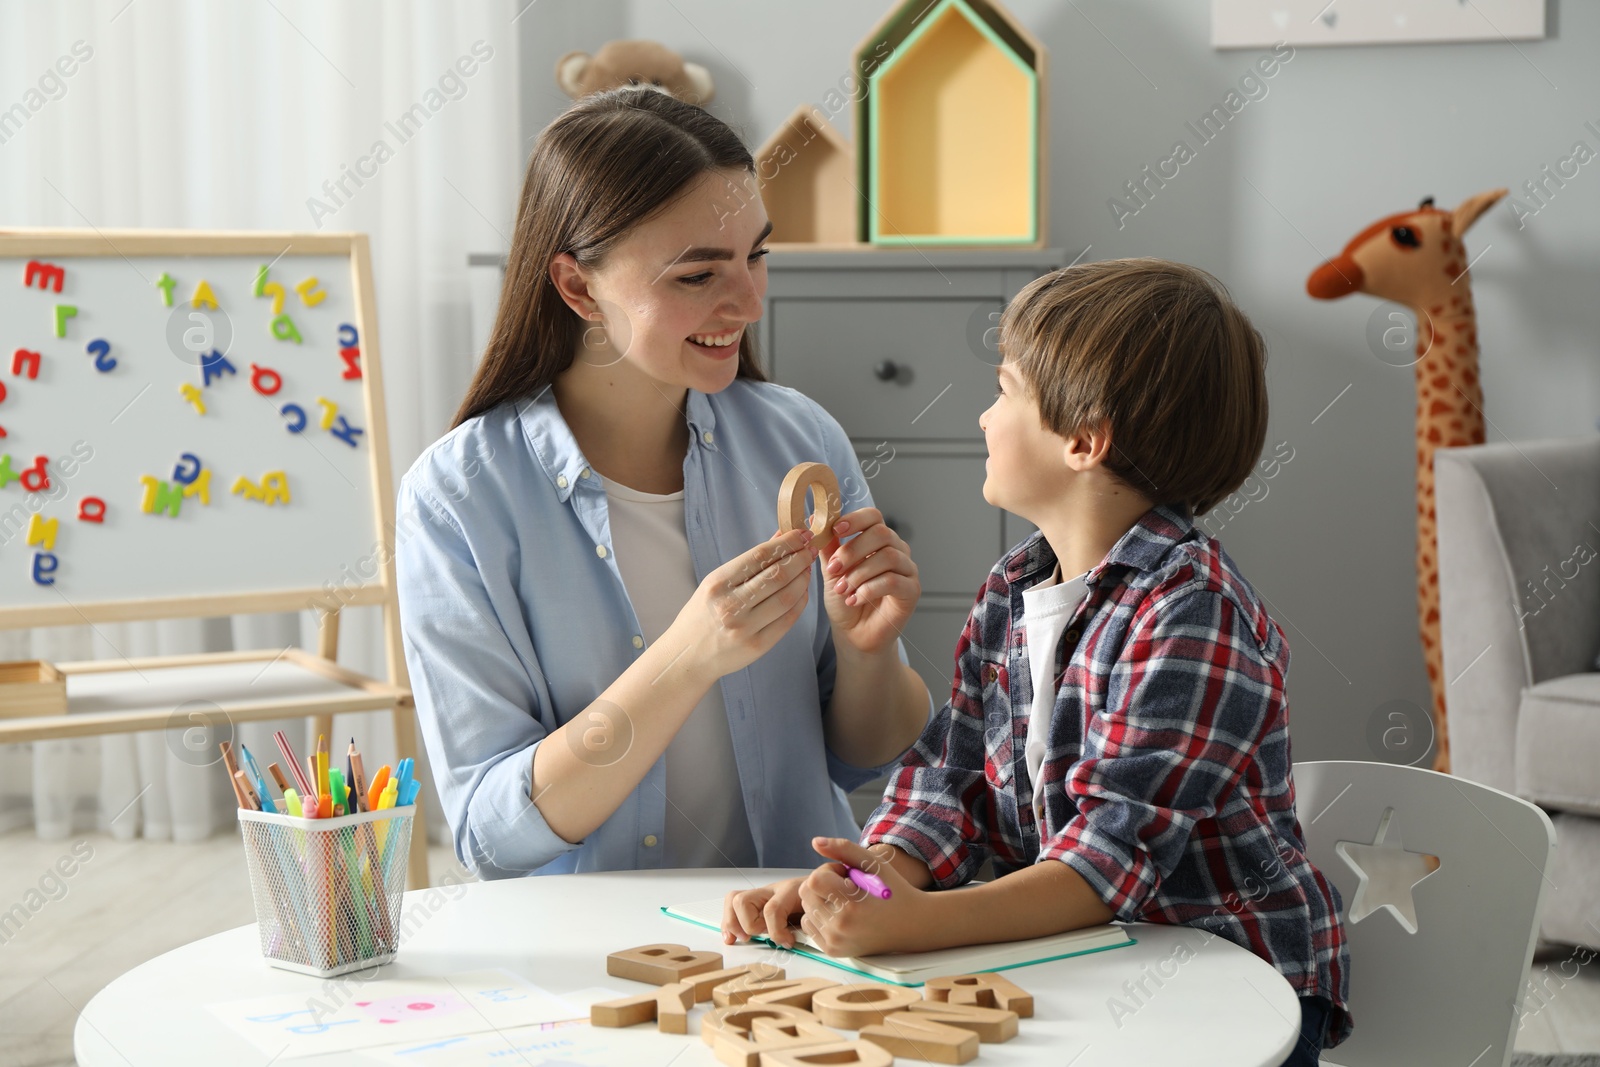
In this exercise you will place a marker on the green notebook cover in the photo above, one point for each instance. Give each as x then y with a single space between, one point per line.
1000 957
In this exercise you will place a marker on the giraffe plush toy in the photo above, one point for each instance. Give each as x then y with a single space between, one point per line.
1417 258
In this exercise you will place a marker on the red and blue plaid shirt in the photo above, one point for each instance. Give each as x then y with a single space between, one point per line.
1167 780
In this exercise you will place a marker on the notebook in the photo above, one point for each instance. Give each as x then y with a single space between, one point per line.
915 968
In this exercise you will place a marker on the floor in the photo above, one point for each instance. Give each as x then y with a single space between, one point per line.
126 901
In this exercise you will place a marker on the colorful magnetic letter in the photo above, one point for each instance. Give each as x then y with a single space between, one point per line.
183 477
159 496
42 531
329 410
92 509
63 313
21 356
310 295
214 365
203 296
348 338
259 376
352 362
274 290
44 564
261 279
274 488
201 487
346 433
7 476
165 284
101 351
299 412
46 273
192 395
36 479
283 329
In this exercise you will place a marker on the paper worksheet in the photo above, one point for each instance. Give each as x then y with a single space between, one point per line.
548 1045
337 1016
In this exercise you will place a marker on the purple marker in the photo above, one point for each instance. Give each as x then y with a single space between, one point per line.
871 883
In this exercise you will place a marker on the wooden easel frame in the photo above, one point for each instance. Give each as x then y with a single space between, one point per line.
367 694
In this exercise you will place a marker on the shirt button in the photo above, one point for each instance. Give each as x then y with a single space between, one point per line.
1073 634
638 642
706 437
584 473
600 550
649 840
561 481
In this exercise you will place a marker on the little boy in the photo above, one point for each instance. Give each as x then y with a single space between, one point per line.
1118 704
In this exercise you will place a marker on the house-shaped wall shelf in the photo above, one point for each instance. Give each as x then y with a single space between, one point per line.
806 170
950 130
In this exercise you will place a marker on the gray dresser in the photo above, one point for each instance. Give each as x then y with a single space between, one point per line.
899 347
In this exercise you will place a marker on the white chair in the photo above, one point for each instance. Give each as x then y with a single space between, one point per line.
1438 957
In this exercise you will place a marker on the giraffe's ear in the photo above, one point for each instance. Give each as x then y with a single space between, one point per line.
1467 212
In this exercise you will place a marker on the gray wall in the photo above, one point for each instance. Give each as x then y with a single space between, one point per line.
1341 137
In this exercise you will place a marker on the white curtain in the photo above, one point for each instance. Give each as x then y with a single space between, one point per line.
203 115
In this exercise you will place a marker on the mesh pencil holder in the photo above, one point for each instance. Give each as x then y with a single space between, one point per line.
327 891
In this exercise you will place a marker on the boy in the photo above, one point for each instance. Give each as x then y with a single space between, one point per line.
1118 705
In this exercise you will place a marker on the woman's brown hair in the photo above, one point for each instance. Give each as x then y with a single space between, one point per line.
606 164
1158 349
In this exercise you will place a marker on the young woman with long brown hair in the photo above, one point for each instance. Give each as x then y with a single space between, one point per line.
616 662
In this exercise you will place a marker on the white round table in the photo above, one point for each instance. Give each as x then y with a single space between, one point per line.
1213 1004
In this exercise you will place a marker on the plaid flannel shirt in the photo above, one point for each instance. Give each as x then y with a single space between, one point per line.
1166 782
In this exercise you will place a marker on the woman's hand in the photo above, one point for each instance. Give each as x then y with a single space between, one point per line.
744 606
870 584
764 910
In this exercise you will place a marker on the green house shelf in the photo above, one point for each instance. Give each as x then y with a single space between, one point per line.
950 130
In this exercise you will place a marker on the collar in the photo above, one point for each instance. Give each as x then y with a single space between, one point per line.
1143 547
557 449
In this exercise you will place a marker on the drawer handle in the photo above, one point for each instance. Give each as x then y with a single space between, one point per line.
886 371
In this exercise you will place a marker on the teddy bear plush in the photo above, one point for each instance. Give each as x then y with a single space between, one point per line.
639 62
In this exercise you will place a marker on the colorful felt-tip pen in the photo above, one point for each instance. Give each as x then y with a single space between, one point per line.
871 883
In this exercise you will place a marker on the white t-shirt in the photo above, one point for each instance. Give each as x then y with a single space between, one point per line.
1046 609
706 824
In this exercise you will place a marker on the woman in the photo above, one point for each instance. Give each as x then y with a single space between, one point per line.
607 674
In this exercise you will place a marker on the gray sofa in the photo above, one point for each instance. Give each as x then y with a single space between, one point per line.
1519 592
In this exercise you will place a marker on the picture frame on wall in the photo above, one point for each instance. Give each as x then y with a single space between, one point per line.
1262 23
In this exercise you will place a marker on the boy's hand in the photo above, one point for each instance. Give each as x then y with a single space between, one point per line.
870 585
842 919
764 910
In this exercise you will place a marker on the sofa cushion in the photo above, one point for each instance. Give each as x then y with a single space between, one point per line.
1558 743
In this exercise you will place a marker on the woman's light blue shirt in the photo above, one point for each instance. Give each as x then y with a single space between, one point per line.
515 619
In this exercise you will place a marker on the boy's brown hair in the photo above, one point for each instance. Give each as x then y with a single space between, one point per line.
1160 351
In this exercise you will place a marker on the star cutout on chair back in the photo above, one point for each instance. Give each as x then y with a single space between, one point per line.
1388 873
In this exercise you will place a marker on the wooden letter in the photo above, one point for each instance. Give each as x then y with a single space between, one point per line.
986 990
738 1018
758 972
918 1038
990 1024
672 1007
864 1053
825 500
850 1007
661 964
628 1011
794 992
768 1036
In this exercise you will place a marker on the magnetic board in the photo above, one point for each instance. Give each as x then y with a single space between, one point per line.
192 425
